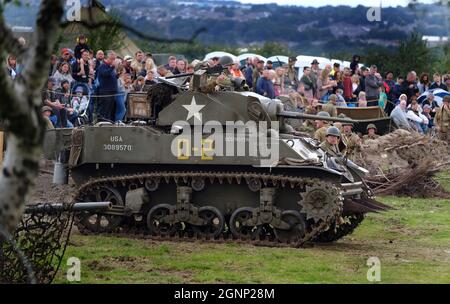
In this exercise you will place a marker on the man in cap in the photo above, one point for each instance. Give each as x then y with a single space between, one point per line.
330 107
127 60
371 133
351 140
291 74
257 72
47 115
372 85
331 142
315 74
442 120
321 127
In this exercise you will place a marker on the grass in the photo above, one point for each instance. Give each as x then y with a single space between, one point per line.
412 243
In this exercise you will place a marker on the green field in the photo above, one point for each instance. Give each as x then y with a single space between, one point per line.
412 243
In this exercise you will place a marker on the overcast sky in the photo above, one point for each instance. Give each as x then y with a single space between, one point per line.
316 3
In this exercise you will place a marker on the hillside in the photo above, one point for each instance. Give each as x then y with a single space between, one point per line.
304 29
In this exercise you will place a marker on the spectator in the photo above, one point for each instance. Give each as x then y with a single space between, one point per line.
257 72
126 63
63 74
354 66
419 121
81 46
426 111
53 63
398 87
82 71
399 117
339 81
123 88
389 85
330 107
424 83
341 100
362 80
315 74
99 58
248 73
181 67
307 85
437 84
348 85
409 87
269 65
291 76
447 81
107 88
63 93
264 85
48 117
163 72
13 68
50 98
150 79
362 100
66 56
325 85
356 88
373 84
79 104
336 69
279 82
171 64
138 84
235 71
151 66
430 101
138 64
383 100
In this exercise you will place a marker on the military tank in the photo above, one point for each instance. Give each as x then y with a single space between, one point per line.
193 170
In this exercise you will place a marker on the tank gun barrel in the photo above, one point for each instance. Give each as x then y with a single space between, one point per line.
295 115
179 76
88 206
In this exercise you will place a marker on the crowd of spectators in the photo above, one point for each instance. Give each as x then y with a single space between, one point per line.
75 76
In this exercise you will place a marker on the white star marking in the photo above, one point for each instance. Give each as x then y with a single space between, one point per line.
194 110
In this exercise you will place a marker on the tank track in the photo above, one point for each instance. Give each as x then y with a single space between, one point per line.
336 232
131 230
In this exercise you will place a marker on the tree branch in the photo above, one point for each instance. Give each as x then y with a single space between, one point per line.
9 42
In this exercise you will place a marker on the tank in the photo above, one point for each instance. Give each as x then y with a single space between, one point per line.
215 166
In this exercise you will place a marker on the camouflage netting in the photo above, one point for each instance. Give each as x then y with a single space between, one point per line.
404 163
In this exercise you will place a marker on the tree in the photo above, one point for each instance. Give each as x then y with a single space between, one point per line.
20 109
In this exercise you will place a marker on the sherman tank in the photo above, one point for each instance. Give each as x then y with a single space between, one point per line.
211 165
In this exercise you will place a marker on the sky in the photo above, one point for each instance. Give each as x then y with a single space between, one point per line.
317 3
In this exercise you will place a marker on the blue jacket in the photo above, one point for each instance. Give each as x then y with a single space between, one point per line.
265 87
107 79
248 74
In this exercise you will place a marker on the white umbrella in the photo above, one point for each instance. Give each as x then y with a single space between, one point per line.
439 95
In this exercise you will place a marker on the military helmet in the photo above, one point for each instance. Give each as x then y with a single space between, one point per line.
323 114
333 131
226 61
446 99
342 115
371 126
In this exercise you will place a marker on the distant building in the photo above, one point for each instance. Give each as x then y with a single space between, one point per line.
434 41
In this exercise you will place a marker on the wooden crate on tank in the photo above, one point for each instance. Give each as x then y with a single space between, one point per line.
138 106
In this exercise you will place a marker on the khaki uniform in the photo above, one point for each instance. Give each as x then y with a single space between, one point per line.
332 150
352 142
48 123
367 137
321 134
330 108
442 120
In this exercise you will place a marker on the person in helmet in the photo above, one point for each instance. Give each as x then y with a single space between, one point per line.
331 143
371 132
351 140
321 127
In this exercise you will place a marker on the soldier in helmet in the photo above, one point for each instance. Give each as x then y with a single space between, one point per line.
331 143
339 124
371 132
351 140
321 127
219 76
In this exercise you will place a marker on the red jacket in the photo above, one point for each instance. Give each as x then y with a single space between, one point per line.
348 87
